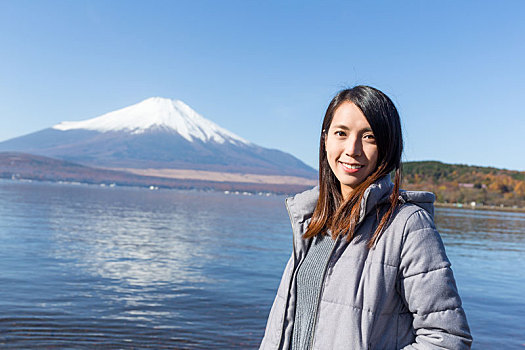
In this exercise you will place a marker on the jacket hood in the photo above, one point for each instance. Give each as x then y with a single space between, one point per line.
422 199
301 206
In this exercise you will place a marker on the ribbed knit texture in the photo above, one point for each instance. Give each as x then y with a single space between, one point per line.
310 278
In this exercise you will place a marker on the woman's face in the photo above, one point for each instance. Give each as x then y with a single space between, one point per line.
351 147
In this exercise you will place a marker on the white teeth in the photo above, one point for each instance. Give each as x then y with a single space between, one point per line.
352 166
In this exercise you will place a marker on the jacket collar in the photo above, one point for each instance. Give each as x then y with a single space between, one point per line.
376 194
302 205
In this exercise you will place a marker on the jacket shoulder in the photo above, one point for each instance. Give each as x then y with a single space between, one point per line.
412 217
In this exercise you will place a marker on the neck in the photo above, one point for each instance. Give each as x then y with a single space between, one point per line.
345 193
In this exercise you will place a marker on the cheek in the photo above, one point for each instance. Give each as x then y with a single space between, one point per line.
331 156
329 150
372 155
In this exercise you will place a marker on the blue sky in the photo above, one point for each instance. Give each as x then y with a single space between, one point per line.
266 70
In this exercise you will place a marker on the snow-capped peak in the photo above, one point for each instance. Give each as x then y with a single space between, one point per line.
157 112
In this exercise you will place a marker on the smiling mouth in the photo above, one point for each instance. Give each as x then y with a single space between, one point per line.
351 167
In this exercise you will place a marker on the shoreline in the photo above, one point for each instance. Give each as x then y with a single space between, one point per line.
479 207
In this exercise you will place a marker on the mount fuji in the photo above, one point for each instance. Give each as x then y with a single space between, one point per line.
157 133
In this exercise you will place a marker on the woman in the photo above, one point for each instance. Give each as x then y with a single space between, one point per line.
368 268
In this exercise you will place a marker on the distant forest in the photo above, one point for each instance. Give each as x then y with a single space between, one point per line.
456 183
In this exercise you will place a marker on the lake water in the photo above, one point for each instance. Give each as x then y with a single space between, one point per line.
85 267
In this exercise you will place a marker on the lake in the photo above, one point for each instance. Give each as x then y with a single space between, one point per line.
85 267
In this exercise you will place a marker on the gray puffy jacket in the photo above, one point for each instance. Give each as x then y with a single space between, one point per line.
399 295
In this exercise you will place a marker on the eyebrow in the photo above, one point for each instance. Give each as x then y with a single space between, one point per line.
341 126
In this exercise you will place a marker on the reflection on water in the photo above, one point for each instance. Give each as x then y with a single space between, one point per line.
125 268
133 246
487 249
487 229
134 268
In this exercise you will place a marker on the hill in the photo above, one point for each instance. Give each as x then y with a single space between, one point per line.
21 166
458 183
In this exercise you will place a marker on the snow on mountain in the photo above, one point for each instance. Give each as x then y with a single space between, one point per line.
156 133
157 113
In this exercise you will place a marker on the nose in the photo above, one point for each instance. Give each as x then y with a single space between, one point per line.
353 146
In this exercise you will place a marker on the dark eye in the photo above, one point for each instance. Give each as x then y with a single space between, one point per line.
369 137
340 133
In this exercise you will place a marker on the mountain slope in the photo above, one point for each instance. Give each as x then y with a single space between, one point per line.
157 133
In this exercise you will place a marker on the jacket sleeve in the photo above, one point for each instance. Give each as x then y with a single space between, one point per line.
275 323
429 290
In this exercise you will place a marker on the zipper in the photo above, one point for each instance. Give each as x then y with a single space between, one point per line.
312 337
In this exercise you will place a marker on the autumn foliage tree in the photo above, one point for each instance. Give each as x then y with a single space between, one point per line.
458 183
